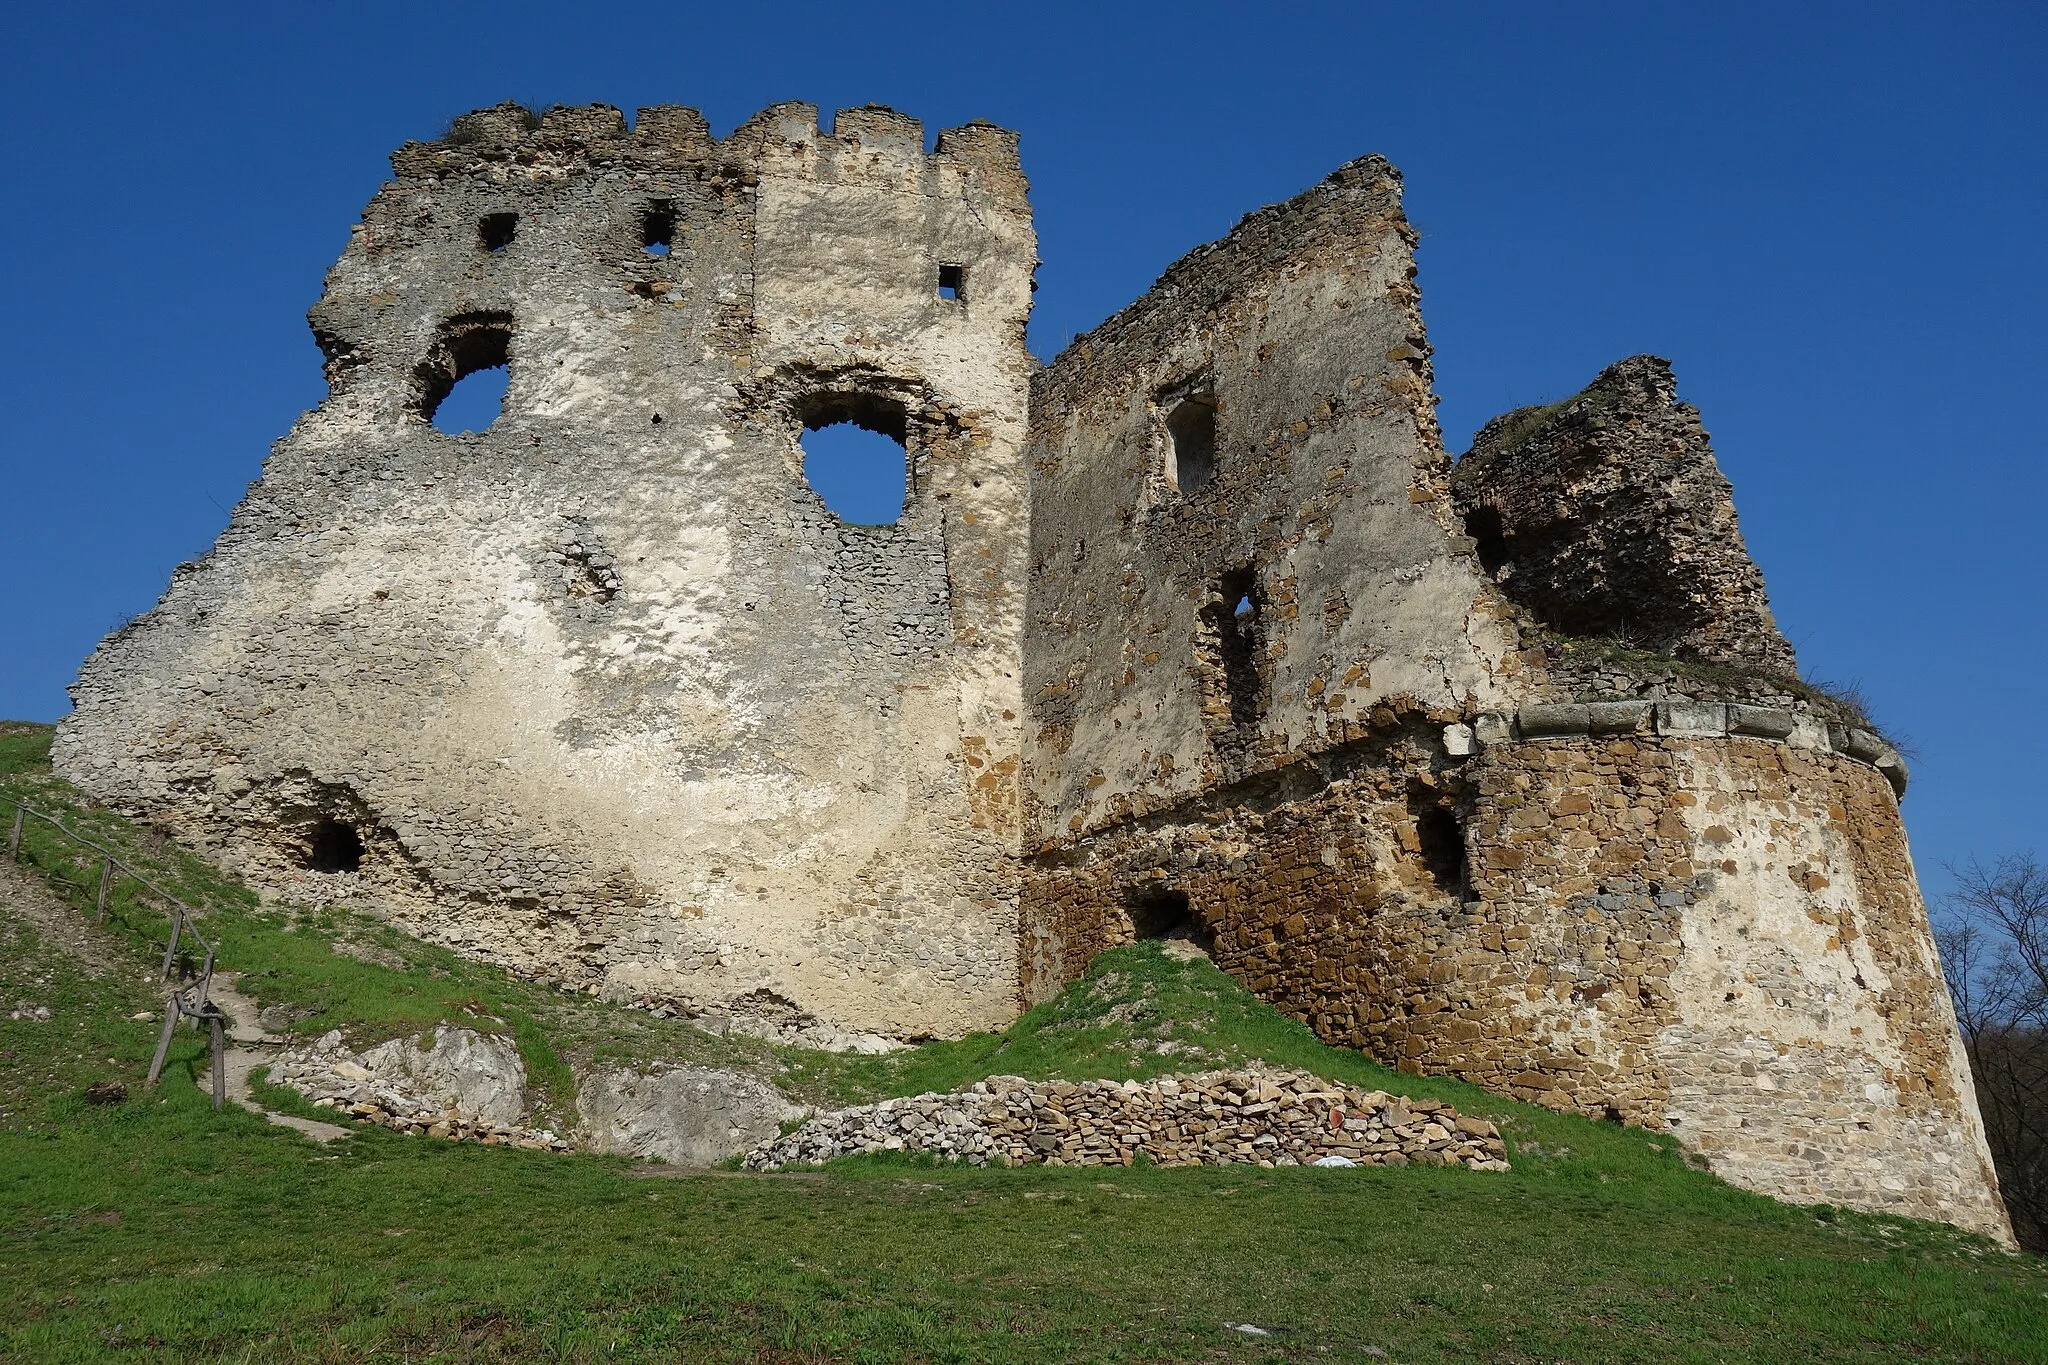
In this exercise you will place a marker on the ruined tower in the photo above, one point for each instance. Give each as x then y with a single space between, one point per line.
1498 769
605 693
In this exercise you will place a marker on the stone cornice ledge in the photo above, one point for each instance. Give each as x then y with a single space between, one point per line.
1677 720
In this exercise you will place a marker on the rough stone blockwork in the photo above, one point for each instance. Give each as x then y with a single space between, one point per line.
1195 632
1607 515
1216 1118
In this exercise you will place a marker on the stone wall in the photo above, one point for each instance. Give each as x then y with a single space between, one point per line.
1667 924
1239 534
1195 631
1606 514
605 692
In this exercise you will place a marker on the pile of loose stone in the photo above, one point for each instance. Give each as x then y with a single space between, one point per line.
1260 1118
332 1078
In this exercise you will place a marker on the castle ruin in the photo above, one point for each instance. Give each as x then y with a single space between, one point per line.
1497 769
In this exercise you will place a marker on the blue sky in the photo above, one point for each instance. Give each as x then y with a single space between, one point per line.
1830 217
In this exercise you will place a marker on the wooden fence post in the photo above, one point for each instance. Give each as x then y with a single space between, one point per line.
220 1062
106 885
171 953
14 838
163 1041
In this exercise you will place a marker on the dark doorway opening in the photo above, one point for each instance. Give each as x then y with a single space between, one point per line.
953 282
1164 915
1442 838
495 231
334 847
1489 536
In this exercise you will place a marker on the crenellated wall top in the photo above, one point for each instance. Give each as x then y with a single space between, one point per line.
785 138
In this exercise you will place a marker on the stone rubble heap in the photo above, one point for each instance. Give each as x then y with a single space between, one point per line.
332 1077
1217 1118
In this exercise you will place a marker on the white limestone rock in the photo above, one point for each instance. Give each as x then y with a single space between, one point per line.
689 1116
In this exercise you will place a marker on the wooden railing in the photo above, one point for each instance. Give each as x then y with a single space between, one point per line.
190 998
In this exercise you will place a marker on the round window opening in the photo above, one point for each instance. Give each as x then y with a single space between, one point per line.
856 456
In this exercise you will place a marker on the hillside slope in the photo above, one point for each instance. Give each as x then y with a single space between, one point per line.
156 1229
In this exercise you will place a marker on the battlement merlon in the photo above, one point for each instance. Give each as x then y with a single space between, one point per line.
783 137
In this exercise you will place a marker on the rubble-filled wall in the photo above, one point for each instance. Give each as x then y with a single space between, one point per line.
1606 515
1648 916
605 692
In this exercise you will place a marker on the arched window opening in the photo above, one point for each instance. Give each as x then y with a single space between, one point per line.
1232 639
334 847
856 456
658 228
474 402
462 384
1191 427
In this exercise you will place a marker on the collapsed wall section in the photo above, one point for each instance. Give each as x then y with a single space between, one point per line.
604 691
1607 515
1278 657
1239 533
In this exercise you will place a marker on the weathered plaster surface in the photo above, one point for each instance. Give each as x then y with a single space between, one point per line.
1304 328
607 691
1197 621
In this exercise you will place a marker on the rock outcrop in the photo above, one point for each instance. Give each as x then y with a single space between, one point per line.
467 1087
685 1115
479 1074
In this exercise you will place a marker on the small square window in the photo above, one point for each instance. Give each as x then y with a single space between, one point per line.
953 282
495 231
658 228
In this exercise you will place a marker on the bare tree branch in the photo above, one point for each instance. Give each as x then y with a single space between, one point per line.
1994 955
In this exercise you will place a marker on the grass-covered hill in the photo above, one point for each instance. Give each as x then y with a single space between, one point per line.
158 1230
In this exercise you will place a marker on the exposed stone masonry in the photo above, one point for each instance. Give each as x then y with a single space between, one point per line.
1607 515
606 692
1217 1118
1498 769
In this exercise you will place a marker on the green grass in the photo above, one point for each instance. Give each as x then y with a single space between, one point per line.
158 1230
1522 426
